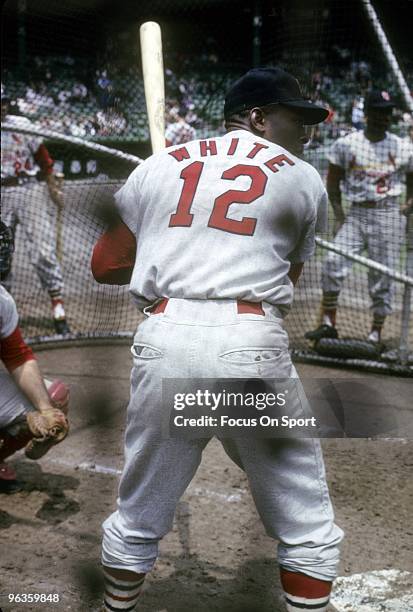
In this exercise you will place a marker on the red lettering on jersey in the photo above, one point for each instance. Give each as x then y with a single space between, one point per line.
180 154
191 175
278 161
219 219
233 146
208 147
257 147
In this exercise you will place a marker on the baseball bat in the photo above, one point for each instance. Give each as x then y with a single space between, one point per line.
153 78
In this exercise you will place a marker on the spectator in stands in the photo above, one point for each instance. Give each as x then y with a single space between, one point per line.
64 96
79 91
178 130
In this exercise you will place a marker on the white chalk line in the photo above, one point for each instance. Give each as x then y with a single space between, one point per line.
97 468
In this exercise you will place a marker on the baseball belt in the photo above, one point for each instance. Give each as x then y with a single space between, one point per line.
243 307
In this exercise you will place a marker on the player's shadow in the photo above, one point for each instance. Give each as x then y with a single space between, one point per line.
196 585
250 587
54 510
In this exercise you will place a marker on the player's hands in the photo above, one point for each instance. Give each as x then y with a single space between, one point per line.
55 185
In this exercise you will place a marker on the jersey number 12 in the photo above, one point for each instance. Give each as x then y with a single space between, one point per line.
218 218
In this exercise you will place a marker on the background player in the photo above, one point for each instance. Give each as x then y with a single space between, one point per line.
178 129
222 229
367 167
32 411
34 205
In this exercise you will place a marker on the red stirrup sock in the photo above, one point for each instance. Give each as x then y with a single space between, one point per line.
303 592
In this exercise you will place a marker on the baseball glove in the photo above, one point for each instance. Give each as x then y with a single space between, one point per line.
48 427
49 424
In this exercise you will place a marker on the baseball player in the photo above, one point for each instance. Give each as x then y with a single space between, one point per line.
367 167
32 410
213 235
178 130
34 205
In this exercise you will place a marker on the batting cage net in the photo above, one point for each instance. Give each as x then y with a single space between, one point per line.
87 105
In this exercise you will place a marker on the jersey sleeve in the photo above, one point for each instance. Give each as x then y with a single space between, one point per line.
8 314
13 349
337 153
42 157
305 248
14 352
127 200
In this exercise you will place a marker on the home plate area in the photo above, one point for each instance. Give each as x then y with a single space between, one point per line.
378 591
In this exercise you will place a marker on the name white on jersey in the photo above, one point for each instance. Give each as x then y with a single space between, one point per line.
221 218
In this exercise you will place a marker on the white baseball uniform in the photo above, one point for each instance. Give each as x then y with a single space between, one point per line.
217 221
373 174
179 133
29 204
13 403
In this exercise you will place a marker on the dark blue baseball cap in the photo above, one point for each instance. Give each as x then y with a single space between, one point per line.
262 86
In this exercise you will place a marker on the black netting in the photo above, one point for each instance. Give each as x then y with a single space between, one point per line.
76 69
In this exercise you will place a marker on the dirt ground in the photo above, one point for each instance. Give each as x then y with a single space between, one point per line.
217 556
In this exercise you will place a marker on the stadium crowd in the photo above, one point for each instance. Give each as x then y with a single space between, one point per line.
68 95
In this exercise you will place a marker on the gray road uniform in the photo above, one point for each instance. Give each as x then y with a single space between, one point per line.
373 184
217 222
26 201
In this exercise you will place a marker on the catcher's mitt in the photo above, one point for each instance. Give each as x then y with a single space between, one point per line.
48 427
50 423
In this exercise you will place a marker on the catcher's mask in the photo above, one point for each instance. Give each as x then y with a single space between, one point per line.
6 250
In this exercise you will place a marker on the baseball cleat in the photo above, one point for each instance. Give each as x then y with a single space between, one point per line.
374 336
323 331
8 479
61 327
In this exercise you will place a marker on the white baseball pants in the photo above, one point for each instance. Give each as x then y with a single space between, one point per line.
380 231
207 339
